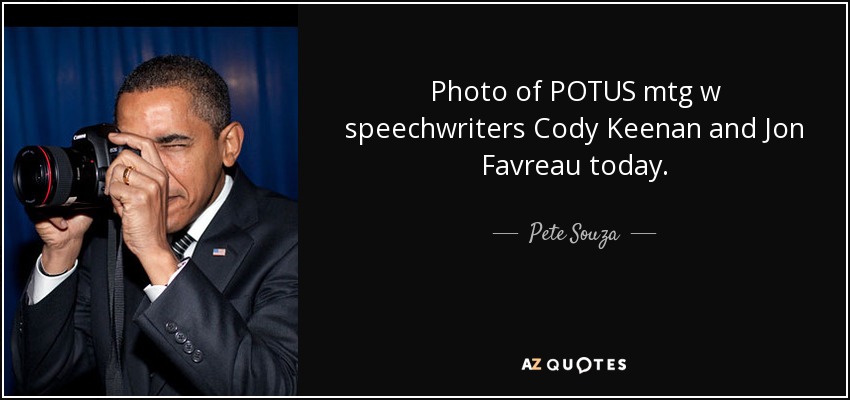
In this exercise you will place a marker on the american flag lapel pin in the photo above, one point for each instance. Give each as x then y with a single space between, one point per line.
219 252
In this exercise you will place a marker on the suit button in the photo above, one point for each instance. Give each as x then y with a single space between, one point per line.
179 337
170 327
188 347
198 356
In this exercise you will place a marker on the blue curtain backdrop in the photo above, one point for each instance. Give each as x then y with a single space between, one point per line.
56 80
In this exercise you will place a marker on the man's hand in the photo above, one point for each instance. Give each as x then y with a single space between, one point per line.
138 188
63 239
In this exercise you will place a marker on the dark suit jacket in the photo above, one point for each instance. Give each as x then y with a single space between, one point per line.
240 310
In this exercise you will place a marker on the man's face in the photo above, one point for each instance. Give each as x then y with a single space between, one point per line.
186 145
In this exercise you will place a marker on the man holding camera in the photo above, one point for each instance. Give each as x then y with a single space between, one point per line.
196 292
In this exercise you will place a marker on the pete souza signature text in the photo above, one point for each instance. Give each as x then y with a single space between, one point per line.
575 235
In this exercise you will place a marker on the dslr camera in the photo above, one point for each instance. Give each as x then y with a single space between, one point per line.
67 178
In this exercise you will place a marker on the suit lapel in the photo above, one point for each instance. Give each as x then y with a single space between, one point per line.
227 231
220 269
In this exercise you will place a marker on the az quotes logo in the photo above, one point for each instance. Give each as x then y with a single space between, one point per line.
581 365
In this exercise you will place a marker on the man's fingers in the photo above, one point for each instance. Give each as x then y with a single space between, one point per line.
131 170
141 190
146 146
59 222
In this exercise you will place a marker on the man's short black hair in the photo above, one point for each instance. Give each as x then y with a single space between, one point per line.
210 96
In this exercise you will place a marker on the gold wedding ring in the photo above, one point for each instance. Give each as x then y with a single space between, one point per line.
127 174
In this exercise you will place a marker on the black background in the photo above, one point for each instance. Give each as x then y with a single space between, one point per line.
404 290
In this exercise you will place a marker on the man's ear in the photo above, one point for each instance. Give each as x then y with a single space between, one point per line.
230 141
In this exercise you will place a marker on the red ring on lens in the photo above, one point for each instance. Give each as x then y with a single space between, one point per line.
49 176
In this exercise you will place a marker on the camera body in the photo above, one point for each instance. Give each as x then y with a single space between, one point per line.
70 178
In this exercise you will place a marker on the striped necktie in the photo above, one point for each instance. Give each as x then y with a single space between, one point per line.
180 245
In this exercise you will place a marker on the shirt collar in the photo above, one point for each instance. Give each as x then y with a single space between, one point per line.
203 221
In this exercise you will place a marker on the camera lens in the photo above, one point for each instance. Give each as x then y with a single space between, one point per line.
51 176
42 175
